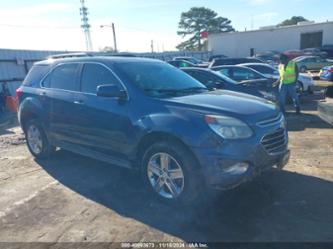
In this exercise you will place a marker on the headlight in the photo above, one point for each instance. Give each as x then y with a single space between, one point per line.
228 128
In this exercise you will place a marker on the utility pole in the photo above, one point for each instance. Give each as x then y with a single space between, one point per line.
85 25
114 38
114 35
252 22
152 46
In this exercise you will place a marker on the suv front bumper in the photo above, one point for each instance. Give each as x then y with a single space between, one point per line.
215 166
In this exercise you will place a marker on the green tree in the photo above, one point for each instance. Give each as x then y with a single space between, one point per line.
293 21
197 20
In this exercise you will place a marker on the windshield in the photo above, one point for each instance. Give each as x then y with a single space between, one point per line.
159 79
225 78
263 69
193 60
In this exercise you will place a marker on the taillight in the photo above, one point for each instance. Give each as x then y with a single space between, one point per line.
18 93
330 70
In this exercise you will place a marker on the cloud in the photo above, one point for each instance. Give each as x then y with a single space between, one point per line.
55 27
41 26
268 16
131 38
36 10
258 2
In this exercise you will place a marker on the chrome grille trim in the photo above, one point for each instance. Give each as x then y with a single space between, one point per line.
275 142
272 121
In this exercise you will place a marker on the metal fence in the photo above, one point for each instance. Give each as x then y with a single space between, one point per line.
15 64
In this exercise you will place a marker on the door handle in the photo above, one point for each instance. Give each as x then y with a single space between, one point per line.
42 94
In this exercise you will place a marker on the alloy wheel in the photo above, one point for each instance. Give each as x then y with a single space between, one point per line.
34 138
165 175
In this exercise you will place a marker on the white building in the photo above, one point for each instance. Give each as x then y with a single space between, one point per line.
242 44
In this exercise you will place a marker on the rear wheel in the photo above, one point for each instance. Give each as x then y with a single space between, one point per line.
170 172
36 140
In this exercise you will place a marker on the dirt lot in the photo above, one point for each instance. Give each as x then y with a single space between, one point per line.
73 198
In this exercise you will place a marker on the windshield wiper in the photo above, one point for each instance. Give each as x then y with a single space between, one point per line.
174 92
163 91
193 89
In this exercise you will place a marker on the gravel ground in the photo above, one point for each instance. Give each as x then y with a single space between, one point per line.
70 198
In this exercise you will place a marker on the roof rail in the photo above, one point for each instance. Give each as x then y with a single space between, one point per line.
69 55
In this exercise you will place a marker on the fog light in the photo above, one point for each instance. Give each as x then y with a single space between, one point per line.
237 169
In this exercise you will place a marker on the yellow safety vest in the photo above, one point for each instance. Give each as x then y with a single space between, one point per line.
288 73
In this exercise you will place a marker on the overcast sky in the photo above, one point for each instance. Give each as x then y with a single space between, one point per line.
55 25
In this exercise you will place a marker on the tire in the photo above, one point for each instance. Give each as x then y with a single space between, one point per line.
37 141
185 190
299 88
303 69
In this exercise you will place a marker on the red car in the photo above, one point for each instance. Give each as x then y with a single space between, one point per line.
292 54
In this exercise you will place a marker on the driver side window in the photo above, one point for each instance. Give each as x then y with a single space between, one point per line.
94 75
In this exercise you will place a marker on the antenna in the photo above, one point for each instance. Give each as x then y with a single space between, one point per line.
85 25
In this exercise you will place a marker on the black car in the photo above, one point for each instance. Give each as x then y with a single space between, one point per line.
217 56
233 61
212 79
241 73
181 63
193 60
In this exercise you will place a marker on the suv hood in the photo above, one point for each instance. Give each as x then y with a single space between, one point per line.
228 103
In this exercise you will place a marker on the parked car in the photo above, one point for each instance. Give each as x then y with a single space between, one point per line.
181 63
305 82
327 73
147 115
292 54
193 60
217 56
241 74
216 80
232 61
263 68
328 48
314 52
306 63
270 57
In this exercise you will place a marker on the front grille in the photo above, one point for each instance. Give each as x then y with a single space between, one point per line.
275 142
271 121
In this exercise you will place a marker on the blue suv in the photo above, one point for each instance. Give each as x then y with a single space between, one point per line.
149 116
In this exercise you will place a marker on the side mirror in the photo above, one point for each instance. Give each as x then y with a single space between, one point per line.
111 91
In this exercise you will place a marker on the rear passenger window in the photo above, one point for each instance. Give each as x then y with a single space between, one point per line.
35 75
94 75
63 77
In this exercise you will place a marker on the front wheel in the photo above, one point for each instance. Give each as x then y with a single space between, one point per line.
37 141
170 172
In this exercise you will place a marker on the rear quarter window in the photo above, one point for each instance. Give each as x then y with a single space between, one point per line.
35 75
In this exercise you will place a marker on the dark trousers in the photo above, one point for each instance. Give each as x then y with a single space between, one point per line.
288 90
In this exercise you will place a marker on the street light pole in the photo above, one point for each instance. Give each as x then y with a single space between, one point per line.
114 38
114 35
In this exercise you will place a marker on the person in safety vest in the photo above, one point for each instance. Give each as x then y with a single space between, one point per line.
288 78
